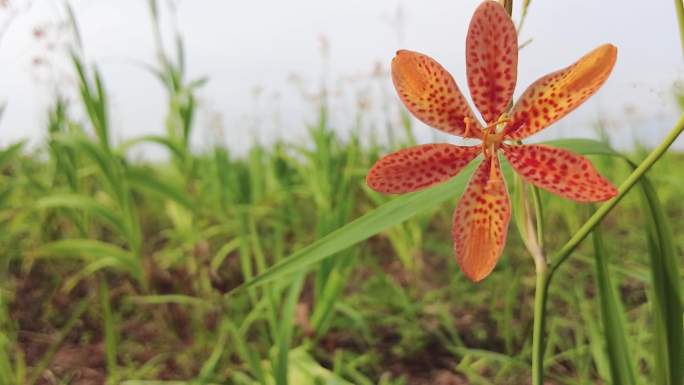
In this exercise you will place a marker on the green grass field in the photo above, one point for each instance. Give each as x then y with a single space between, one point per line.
133 272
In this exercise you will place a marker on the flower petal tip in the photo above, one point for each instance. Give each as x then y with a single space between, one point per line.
611 193
476 276
610 49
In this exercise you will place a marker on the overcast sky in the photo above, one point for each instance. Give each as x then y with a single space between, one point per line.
247 45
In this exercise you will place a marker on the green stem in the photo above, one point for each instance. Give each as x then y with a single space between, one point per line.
539 216
679 7
540 295
562 255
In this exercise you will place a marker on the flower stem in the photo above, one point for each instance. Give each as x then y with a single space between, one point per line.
540 294
539 216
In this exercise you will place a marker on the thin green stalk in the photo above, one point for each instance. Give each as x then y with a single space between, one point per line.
541 266
523 16
679 7
539 216
540 295
562 255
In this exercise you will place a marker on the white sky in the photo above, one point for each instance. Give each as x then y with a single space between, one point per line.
245 45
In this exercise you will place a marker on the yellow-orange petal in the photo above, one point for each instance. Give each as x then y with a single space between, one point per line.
491 59
431 94
557 94
481 221
419 167
560 171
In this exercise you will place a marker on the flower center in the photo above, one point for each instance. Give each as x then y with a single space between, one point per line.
493 136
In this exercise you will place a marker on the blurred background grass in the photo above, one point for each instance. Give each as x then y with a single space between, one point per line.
115 267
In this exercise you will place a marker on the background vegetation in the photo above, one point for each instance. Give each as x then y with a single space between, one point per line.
121 271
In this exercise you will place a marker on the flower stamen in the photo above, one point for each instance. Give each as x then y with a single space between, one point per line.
468 124
492 137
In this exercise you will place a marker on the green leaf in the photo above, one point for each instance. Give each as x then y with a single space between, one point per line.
174 147
667 300
103 159
90 269
285 329
612 316
143 179
91 250
86 204
392 213
163 299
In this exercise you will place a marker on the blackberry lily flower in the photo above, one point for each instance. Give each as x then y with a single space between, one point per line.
480 222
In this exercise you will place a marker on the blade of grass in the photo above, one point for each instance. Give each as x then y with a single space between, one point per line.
212 363
667 304
142 179
86 204
285 329
91 250
612 316
175 148
163 299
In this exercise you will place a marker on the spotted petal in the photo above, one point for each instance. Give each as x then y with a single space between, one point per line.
569 175
481 221
491 59
557 94
431 94
419 167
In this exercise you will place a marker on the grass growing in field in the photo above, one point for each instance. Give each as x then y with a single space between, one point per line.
117 271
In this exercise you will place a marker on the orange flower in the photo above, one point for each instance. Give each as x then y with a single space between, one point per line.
481 218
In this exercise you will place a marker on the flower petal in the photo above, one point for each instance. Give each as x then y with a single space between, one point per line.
481 221
562 172
558 93
418 167
491 59
431 94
